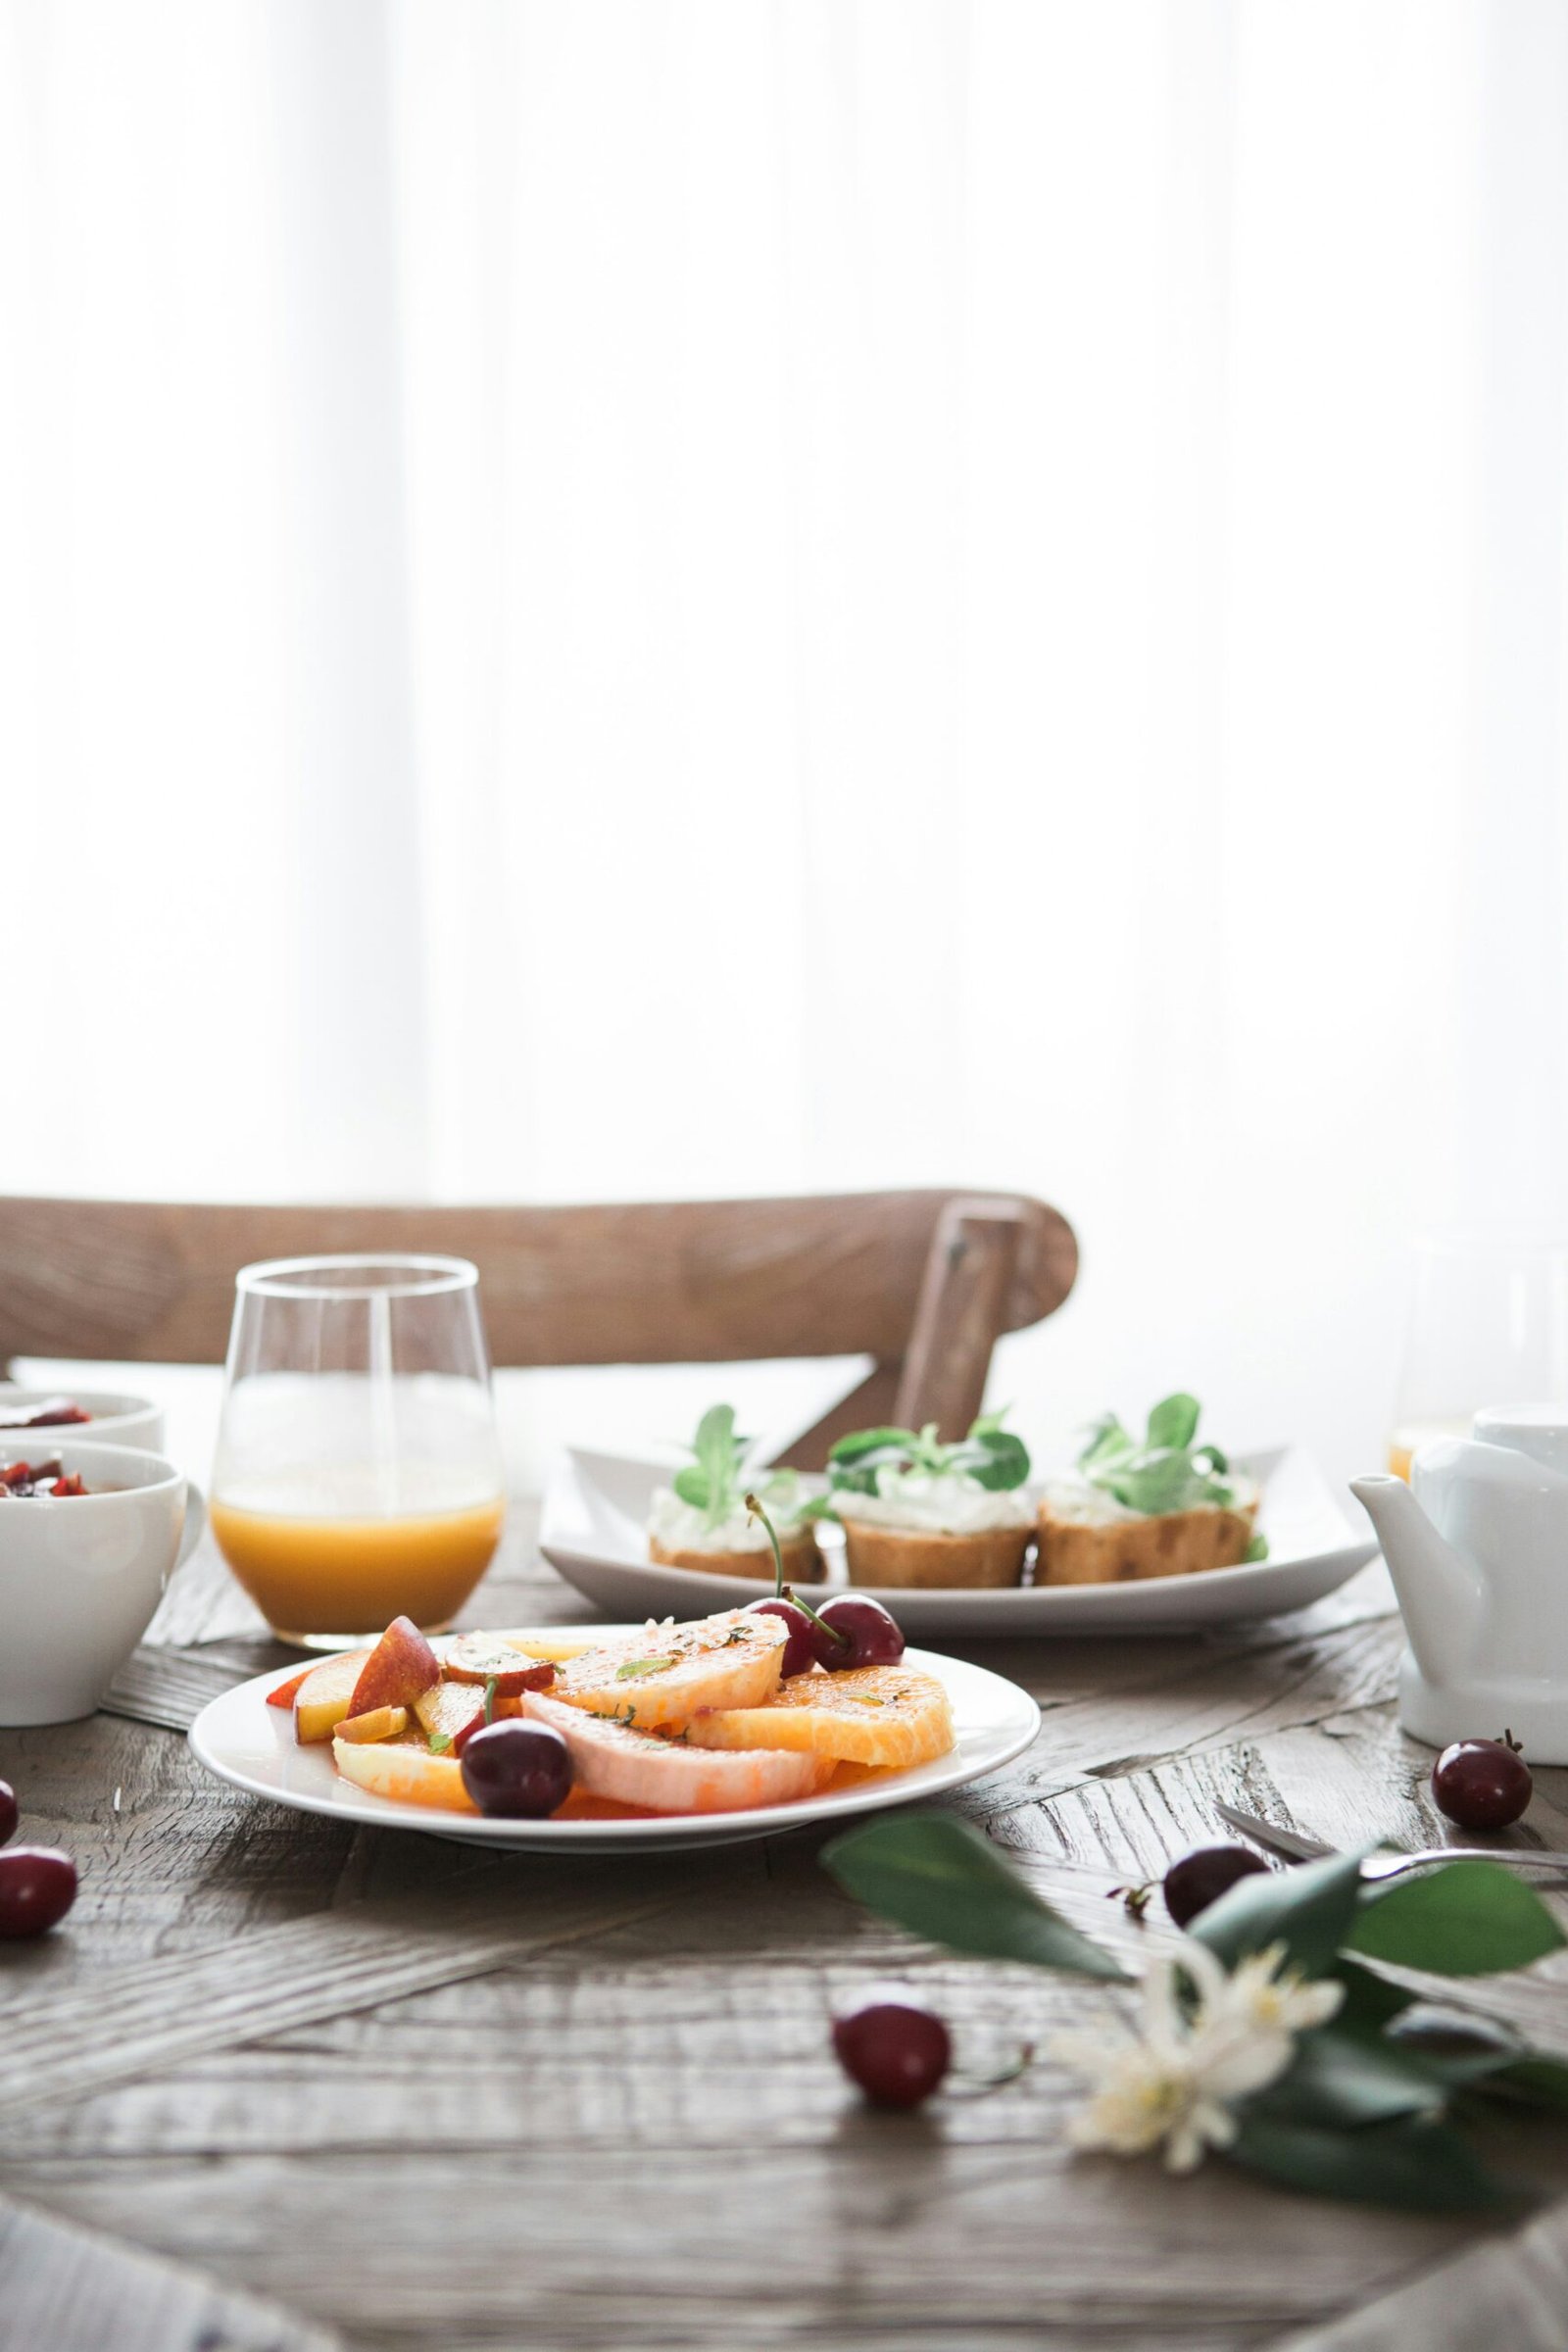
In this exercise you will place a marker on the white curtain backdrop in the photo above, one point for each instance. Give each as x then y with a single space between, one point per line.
623 598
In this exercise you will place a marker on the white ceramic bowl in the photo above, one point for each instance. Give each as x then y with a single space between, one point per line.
81 1575
116 1419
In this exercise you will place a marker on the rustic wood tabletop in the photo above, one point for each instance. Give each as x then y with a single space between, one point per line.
280 2083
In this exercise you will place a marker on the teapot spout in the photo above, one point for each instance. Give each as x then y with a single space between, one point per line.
1440 1593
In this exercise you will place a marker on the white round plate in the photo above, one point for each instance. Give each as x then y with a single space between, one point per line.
596 1507
251 1746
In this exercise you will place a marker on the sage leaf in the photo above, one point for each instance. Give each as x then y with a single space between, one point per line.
1418 2165
942 1878
1345 2081
1174 1421
1465 1919
1308 1908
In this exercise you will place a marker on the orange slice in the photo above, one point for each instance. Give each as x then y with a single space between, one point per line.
664 1677
886 1716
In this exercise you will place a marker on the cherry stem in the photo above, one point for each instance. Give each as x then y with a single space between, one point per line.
844 1640
755 1511
980 2086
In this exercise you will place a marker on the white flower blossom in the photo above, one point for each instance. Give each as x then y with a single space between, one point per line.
1176 2082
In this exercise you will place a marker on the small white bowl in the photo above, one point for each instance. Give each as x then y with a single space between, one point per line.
81 1575
113 1419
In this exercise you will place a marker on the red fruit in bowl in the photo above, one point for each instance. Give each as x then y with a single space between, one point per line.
37 1887
7 1812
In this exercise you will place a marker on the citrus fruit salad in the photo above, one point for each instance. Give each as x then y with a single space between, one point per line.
750 1708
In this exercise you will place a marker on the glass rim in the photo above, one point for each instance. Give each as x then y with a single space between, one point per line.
417 1275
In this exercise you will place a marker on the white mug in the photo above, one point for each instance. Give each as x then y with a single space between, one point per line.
81 1575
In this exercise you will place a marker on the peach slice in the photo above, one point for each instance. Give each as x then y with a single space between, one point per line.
454 1712
284 1695
400 1666
405 1771
482 1658
665 1676
382 1722
326 1695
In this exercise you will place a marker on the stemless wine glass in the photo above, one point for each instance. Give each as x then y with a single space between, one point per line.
1488 1325
357 1475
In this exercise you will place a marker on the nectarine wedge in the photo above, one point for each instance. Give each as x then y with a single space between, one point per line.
381 1722
483 1658
400 1666
326 1695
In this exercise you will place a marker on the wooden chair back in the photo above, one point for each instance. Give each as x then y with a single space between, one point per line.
922 1282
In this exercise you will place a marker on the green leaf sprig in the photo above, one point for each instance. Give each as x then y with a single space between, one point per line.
1373 2105
714 1482
993 1456
1168 1472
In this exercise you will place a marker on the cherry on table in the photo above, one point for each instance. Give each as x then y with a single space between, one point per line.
871 1634
895 2050
37 1887
801 1648
7 1812
1482 1783
1201 1878
517 1771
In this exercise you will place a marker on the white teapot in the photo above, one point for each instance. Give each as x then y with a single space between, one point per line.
1478 1548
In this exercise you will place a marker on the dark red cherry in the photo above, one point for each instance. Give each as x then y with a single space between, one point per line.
7 1812
517 1771
37 1887
801 1648
895 2050
1201 1878
873 1636
1482 1783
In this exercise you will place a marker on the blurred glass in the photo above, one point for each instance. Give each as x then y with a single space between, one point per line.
1488 1325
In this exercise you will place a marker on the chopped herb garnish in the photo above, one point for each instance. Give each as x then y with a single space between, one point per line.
490 1699
1168 1472
635 1668
439 1742
990 1455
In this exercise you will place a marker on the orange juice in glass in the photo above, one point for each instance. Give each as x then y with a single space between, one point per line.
357 1475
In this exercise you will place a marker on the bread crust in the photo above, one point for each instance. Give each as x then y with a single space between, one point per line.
802 1562
1073 1551
894 1555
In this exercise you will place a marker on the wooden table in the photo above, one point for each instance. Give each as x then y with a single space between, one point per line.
284 2083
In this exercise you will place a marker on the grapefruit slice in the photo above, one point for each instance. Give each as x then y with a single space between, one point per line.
632 1767
889 1717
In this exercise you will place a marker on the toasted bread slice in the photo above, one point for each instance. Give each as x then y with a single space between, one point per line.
891 1555
886 1716
802 1562
663 1678
1109 1552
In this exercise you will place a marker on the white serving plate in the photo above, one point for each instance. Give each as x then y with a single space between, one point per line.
251 1746
597 1506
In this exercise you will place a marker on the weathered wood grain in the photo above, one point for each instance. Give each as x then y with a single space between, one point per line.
599 2127
664 1282
67 2289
